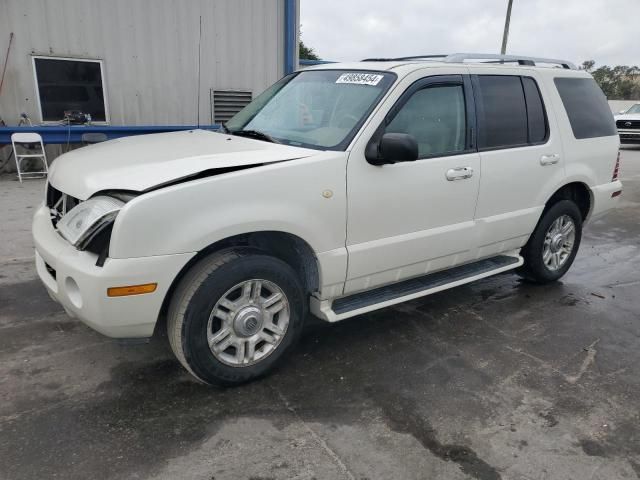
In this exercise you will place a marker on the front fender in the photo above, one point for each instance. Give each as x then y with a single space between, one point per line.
305 197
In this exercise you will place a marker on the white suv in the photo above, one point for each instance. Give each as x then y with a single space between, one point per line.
341 189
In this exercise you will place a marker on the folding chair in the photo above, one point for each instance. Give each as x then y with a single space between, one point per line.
26 140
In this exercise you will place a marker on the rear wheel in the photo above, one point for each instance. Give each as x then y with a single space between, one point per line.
554 243
235 315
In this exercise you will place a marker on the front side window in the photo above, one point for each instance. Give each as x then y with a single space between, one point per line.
436 117
70 84
320 109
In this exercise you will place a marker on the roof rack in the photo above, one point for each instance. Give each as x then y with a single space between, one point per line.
530 61
398 59
491 57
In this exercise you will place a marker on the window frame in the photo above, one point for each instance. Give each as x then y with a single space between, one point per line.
479 104
105 98
430 82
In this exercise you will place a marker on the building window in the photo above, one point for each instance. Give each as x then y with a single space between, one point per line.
70 84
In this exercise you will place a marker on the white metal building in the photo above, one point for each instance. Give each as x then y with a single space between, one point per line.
142 62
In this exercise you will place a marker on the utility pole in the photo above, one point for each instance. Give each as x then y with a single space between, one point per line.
505 35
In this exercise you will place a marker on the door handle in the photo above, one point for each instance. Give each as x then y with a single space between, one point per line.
459 173
549 159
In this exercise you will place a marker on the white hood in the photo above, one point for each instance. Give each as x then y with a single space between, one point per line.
627 116
142 162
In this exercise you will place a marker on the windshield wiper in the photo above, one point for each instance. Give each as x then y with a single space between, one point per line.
258 135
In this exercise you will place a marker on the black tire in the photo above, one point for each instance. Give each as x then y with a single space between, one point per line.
198 293
534 269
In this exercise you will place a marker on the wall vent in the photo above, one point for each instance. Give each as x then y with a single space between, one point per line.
226 103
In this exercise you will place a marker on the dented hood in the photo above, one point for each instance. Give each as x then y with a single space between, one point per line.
143 162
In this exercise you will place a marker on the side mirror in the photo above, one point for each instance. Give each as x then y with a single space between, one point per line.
393 148
622 112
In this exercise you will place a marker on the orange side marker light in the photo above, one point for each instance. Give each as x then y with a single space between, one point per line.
132 290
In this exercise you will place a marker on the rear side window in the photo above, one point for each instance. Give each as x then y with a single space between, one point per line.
503 112
511 112
586 107
536 117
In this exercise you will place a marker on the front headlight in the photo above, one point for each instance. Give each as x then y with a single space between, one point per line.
84 221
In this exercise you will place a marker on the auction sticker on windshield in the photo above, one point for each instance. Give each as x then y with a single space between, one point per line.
360 78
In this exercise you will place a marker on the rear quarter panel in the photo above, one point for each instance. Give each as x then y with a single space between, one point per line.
590 160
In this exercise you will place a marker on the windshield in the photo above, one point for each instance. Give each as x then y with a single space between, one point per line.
634 109
320 109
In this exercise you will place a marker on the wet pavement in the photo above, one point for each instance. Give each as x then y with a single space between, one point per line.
498 379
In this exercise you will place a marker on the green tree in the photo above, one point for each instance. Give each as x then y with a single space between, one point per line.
307 53
587 65
621 82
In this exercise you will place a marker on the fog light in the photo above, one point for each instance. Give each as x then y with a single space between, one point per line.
73 292
132 290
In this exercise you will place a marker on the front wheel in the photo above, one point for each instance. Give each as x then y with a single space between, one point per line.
554 243
235 315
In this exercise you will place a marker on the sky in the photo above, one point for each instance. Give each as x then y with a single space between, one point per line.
607 31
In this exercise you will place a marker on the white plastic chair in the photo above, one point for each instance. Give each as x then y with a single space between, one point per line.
22 138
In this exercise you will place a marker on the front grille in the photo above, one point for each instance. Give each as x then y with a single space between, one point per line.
59 203
630 137
628 124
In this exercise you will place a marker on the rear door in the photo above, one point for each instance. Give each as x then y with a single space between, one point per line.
520 152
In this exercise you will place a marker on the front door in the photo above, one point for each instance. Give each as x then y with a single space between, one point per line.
408 219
